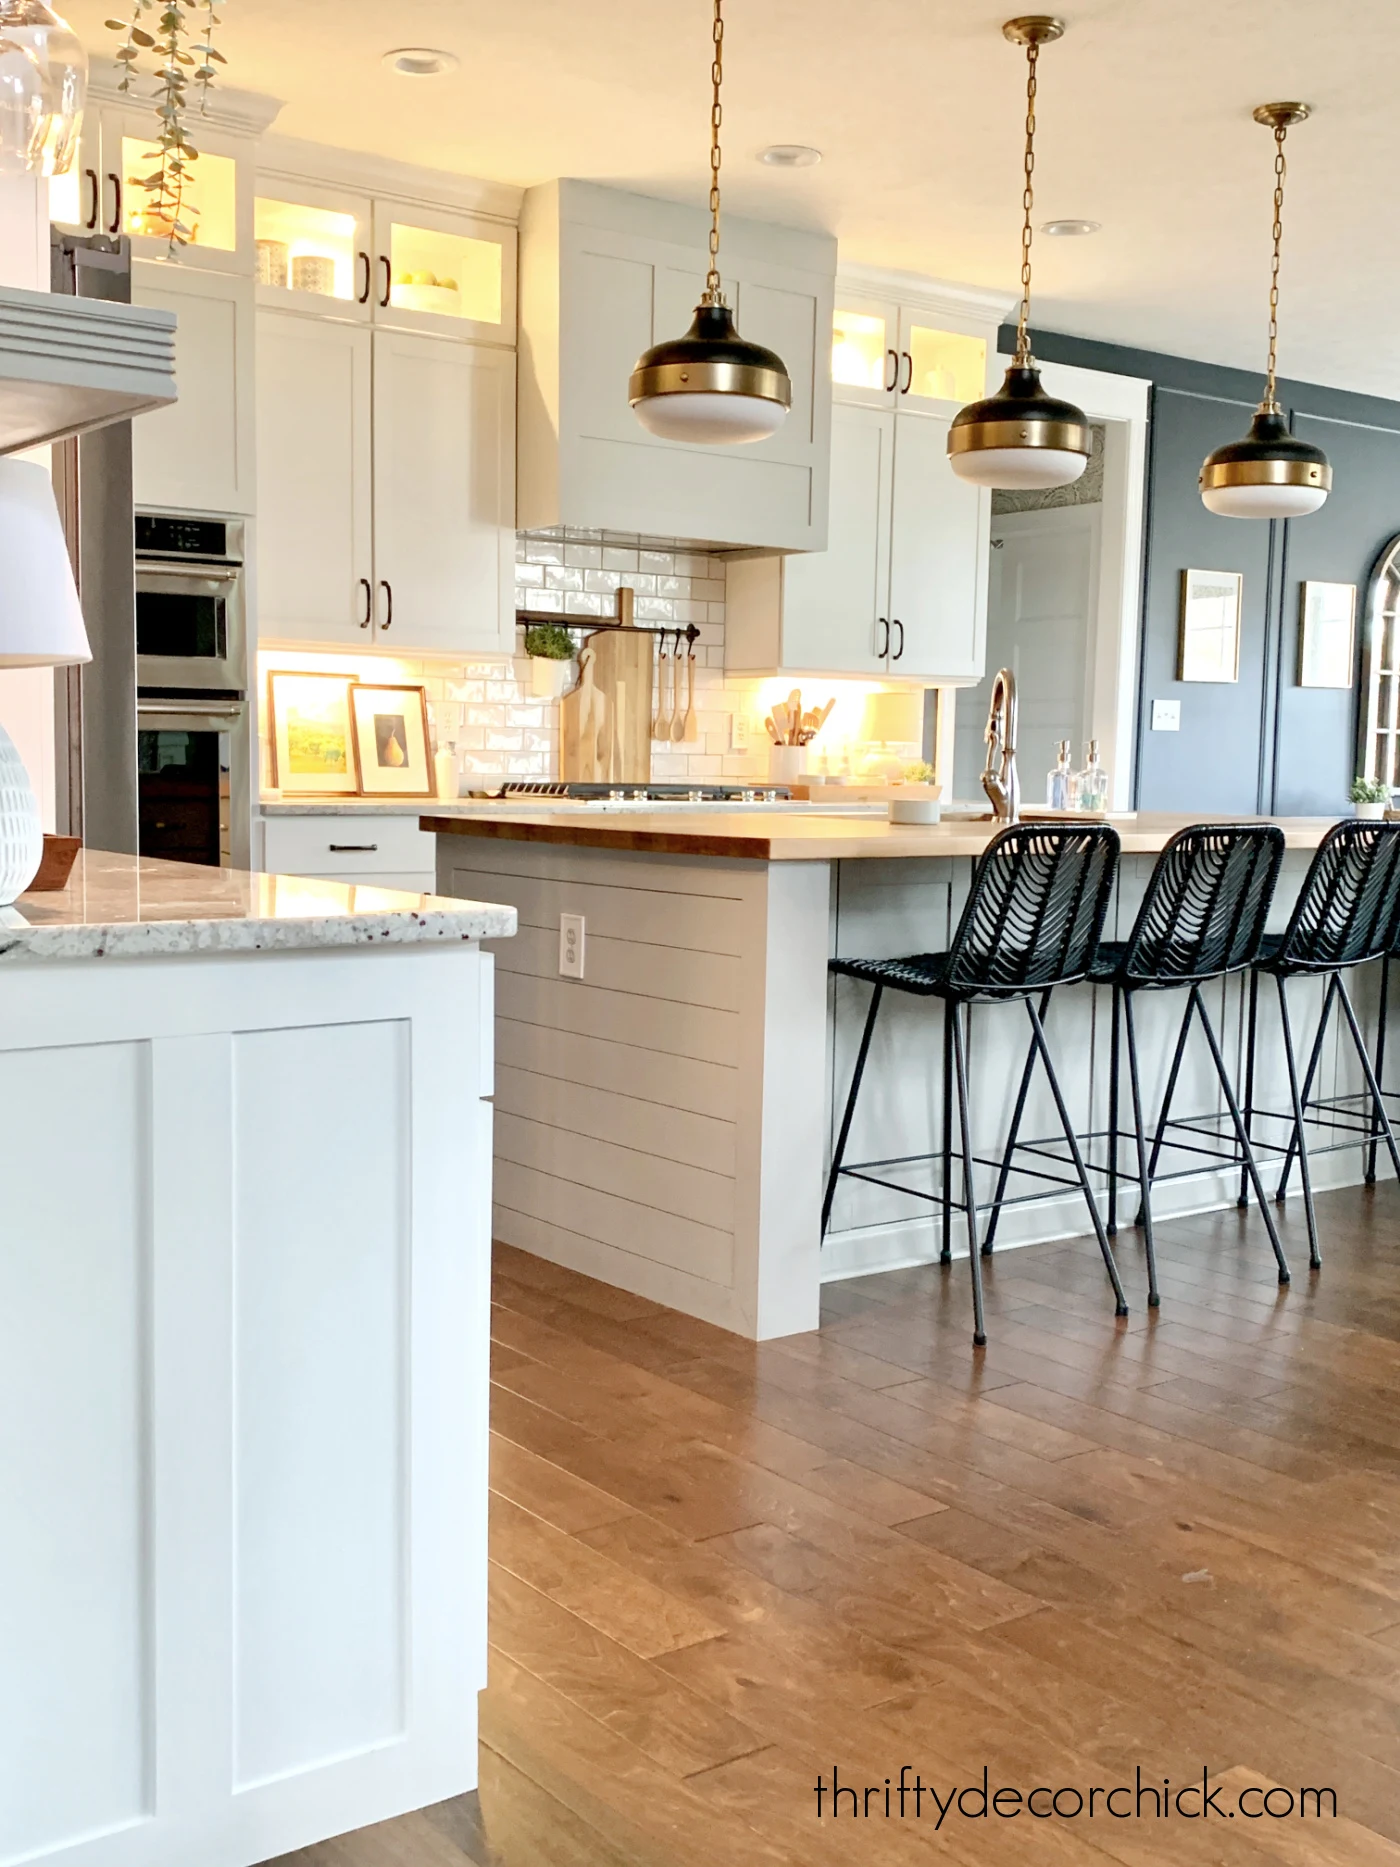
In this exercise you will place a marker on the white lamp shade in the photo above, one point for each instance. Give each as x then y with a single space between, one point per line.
41 619
709 418
1019 469
1263 502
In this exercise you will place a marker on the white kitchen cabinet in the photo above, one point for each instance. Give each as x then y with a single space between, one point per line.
444 456
369 850
443 272
385 488
312 248
604 275
315 480
198 454
900 591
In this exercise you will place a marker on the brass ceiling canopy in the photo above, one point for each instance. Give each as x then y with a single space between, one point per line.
1269 473
711 386
1021 437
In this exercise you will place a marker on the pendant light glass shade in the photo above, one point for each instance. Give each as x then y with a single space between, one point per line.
1270 473
711 387
1021 439
43 86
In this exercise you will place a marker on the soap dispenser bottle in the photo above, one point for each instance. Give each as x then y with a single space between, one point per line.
1057 782
1090 786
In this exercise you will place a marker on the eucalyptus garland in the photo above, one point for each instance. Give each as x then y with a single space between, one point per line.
178 36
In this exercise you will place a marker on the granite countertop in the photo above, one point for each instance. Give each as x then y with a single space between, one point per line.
776 836
121 907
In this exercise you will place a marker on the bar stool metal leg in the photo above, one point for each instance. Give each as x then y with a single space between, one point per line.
1154 1295
1290 1052
945 1255
1013 1135
1173 1076
979 1326
1372 1082
1297 1141
1246 1146
1079 1167
1114 1067
1384 1019
845 1131
1251 1039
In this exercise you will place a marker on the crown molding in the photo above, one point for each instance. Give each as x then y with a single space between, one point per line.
939 295
385 177
245 113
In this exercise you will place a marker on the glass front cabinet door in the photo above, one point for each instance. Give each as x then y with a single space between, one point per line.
440 271
865 362
312 249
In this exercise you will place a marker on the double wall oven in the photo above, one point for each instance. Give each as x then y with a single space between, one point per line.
193 735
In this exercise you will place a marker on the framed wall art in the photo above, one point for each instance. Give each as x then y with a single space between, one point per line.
1326 634
391 740
311 734
1209 647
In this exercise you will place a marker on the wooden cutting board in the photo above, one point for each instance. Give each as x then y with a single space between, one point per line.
614 743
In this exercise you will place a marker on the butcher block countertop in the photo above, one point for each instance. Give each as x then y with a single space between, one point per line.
777 836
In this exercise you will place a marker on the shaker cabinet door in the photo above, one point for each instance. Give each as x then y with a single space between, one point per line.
315 556
940 540
197 455
444 454
835 602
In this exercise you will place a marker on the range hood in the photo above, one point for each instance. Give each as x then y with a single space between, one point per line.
605 274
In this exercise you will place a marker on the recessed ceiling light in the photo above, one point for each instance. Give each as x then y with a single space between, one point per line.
421 61
1068 229
790 156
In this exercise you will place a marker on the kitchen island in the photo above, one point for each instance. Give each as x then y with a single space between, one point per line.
243 1360
665 1123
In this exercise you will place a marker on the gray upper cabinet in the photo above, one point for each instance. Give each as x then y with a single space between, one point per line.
603 276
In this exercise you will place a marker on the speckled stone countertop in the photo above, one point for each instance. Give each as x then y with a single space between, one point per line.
120 907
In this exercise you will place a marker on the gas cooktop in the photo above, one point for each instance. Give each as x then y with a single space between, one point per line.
648 793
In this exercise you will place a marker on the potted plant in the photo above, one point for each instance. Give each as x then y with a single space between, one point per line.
551 649
1371 797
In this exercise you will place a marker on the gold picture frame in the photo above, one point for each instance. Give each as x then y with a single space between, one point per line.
1326 634
392 741
1208 648
310 733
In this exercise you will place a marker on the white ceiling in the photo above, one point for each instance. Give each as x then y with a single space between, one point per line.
917 105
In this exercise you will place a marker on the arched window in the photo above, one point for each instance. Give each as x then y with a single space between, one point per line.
1380 690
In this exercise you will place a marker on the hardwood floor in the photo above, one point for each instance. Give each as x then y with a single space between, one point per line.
721 1568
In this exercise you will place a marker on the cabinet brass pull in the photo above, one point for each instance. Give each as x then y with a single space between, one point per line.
908 373
898 653
368 589
388 590
115 224
880 653
362 298
890 386
96 186
353 849
388 282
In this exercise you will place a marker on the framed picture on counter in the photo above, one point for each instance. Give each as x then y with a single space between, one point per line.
1210 625
391 741
311 734
1326 634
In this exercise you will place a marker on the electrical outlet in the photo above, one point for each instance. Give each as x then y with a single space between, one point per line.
571 946
1166 716
740 737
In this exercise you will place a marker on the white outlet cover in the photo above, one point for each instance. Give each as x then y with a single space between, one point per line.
1166 716
571 936
739 734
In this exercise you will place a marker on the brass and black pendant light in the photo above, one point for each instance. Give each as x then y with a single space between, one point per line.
1021 437
1270 474
711 386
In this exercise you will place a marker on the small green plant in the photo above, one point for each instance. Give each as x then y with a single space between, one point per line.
921 773
182 47
548 641
1370 791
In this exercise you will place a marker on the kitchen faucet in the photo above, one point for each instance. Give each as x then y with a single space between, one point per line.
999 778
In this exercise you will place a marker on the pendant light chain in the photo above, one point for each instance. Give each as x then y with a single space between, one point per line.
713 294
1280 177
1023 342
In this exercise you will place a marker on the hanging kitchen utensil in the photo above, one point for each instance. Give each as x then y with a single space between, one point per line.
692 725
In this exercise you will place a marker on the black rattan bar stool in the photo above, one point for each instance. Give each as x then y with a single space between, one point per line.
1032 922
1344 916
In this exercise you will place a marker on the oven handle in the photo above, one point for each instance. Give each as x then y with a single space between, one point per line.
194 573
192 709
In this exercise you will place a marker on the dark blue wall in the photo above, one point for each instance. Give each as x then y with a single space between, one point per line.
1262 743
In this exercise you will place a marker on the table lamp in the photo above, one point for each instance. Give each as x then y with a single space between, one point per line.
41 626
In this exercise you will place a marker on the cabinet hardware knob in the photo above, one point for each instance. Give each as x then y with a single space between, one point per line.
388 590
353 849
908 373
881 653
115 224
96 186
368 589
388 282
893 382
898 653
362 298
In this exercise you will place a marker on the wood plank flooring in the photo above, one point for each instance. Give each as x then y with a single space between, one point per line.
721 1568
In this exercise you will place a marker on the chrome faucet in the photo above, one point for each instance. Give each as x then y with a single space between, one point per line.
999 778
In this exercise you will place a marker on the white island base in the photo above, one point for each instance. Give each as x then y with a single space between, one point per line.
244 1265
